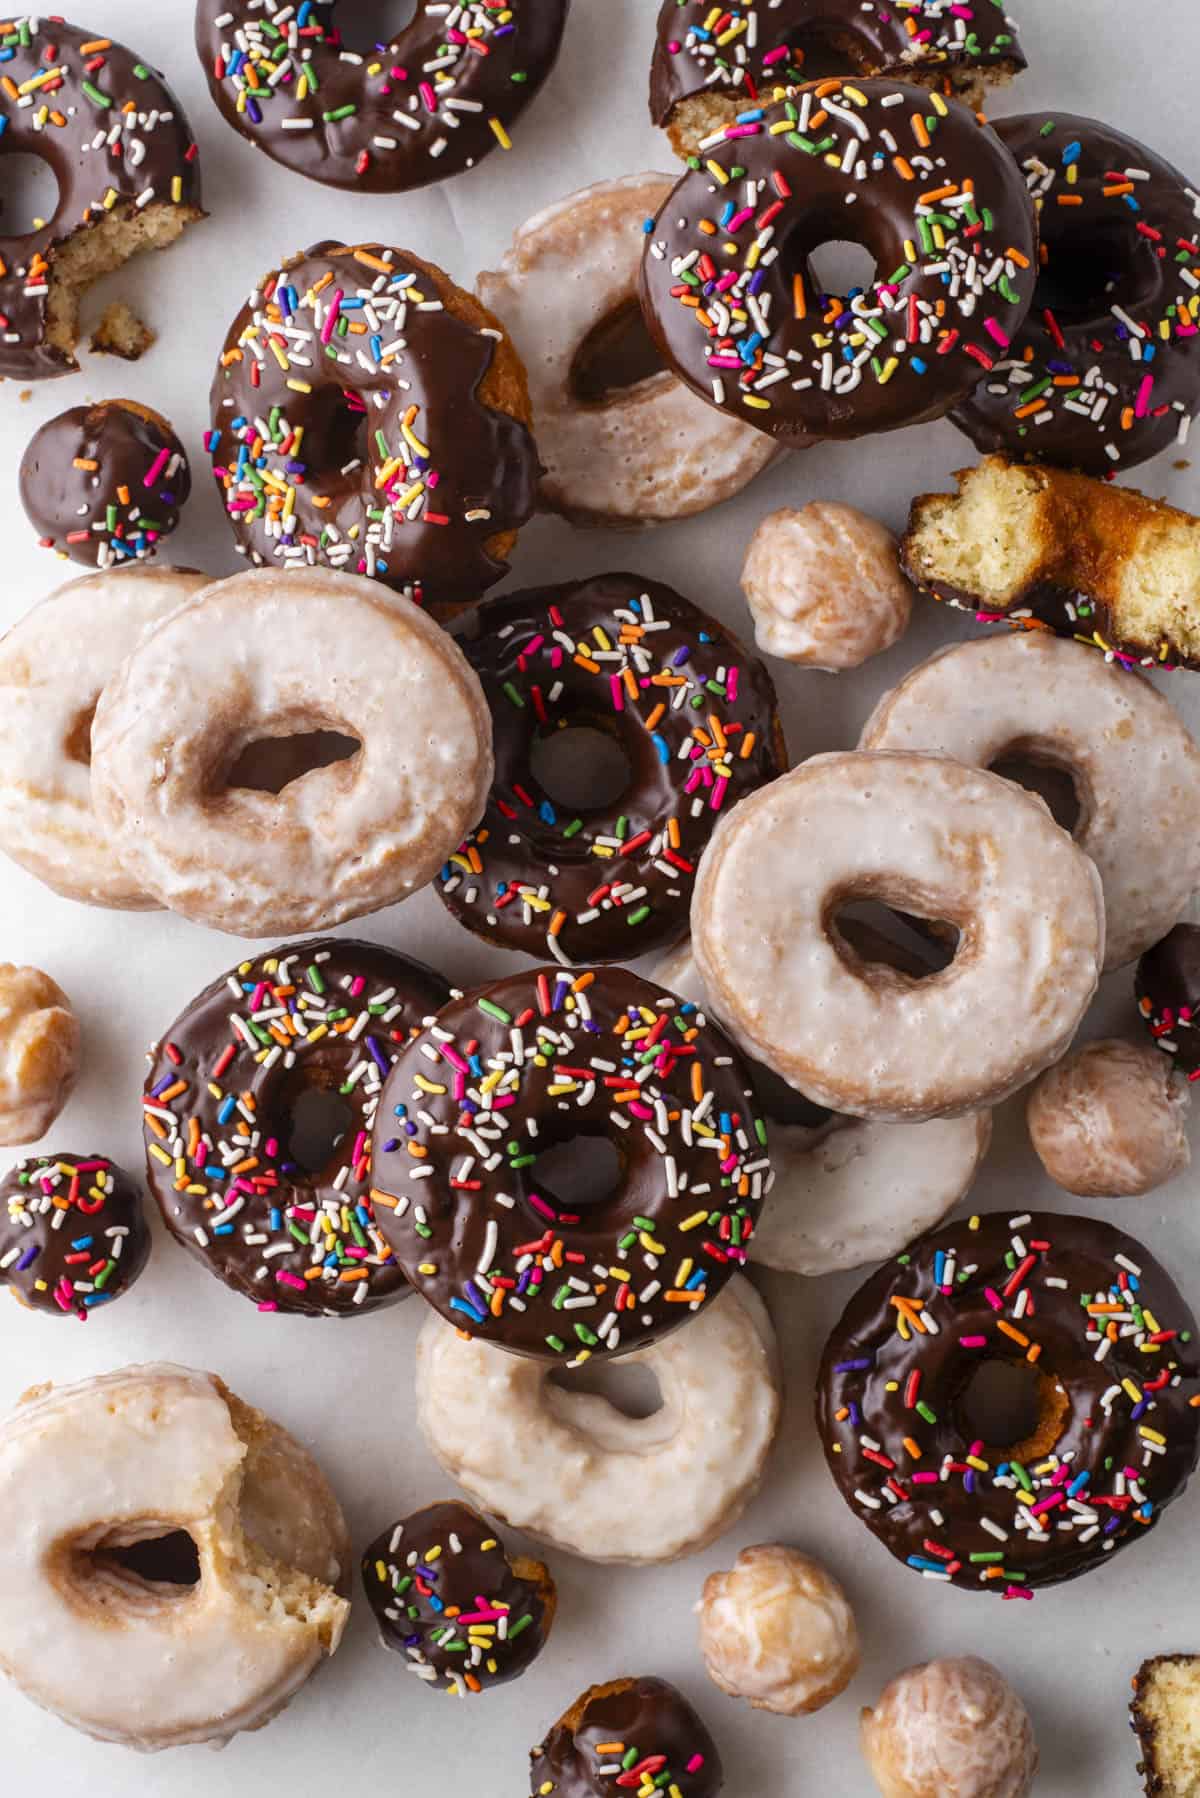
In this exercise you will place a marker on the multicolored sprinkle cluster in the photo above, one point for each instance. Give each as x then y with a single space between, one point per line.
72 1233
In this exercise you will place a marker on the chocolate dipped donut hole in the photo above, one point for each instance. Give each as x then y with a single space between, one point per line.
73 1233
104 484
643 1725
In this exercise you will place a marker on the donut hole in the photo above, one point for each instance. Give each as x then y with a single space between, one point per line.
78 741
337 436
629 1387
819 51
617 354
1051 780
269 764
1082 271
868 931
366 25
576 1175
785 1104
581 768
318 1121
130 1563
840 267
1014 1409
29 193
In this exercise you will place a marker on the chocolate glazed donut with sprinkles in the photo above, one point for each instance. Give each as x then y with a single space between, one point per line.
431 102
224 1112
1104 1348
535 1062
927 188
695 717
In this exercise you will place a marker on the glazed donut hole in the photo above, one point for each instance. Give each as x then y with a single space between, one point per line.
777 1630
39 1052
953 1727
825 586
1110 1120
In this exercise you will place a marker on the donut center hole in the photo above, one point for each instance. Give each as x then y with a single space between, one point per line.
1055 784
580 768
575 1176
1017 1412
840 267
876 933
132 1568
29 194
366 25
783 1104
319 1119
336 436
78 740
1079 275
270 764
617 354
629 1388
819 51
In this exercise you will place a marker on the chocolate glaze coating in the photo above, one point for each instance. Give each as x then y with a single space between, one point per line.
460 472
537 1060
635 660
770 49
73 1233
955 269
104 484
1168 992
156 154
1097 1481
435 100
585 1754
446 1596
1119 227
222 1095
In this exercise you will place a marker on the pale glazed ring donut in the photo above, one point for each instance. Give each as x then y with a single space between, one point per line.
929 837
268 655
850 1191
53 664
641 454
134 1456
1135 767
570 1469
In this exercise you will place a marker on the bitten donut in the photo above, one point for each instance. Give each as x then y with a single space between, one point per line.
73 1233
173 1577
641 1733
953 1727
1098 1342
298 655
588 1478
825 586
694 718
54 663
39 1052
778 1631
929 837
1131 759
536 1061
1110 1119
283 1217
626 454
448 1598
1168 994
124 159
434 100
104 484
846 1191
713 65
1105 371
370 416
737 311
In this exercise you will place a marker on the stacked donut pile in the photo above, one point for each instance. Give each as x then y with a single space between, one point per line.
794 1085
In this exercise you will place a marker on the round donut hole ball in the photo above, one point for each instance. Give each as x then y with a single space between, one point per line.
103 485
952 1727
39 1052
825 586
778 1631
1110 1120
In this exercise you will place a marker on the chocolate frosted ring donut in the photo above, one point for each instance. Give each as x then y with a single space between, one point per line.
125 161
731 299
695 718
1106 1349
1105 371
224 1111
104 484
533 1062
73 1233
370 416
433 101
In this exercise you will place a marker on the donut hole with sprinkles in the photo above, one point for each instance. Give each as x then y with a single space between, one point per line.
616 355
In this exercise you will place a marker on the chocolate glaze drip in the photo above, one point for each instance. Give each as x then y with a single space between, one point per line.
1168 991
79 465
73 1233
614 1729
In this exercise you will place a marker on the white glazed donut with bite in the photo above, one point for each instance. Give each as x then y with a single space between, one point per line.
1110 1120
778 1631
825 586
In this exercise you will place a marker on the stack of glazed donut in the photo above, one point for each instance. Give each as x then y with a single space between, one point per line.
847 964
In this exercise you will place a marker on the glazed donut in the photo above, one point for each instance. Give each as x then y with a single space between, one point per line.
370 416
954 1728
73 1233
54 663
434 100
102 1619
535 1061
1133 763
642 1727
223 1122
631 455
695 718
709 68
104 484
737 312
778 1631
265 656
1105 371
1110 1120
39 1052
1168 993
1107 1352
124 159
825 586
589 1479
846 1191
929 837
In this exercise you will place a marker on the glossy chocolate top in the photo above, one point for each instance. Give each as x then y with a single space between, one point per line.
429 103
695 718
446 1596
348 430
1168 991
229 1108
1107 1347
633 1726
87 89
539 1060
73 1233
1105 372
104 484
